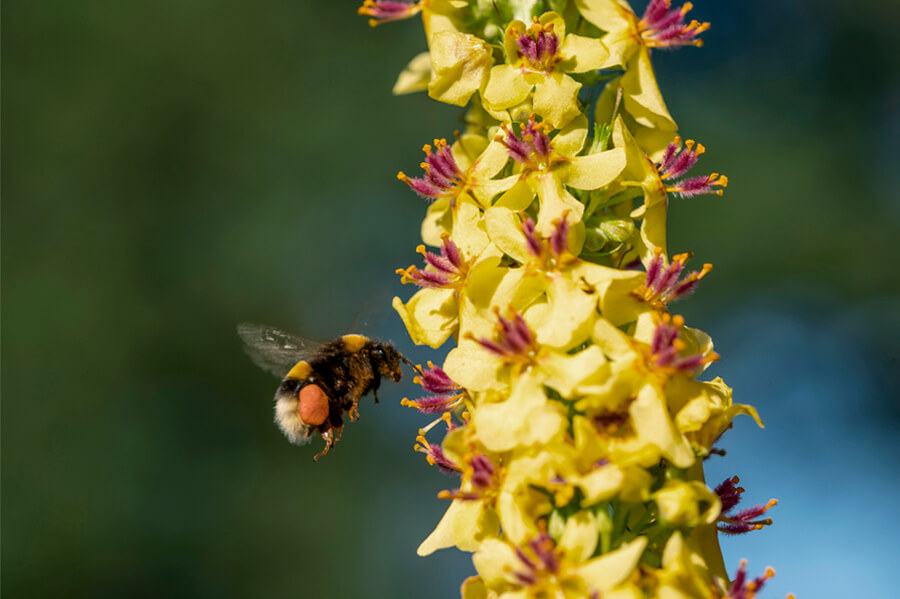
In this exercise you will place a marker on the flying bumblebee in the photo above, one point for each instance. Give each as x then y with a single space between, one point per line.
322 381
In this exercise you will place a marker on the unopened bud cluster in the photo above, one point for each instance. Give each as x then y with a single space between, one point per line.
572 407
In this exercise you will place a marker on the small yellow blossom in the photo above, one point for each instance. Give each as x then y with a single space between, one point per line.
539 57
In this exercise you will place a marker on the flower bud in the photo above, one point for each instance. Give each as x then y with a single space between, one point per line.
687 503
608 230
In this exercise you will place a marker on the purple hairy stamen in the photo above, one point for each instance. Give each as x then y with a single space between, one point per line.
662 26
446 394
741 588
675 164
515 342
385 11
666 348
530 147
744 520
553 253
663 282
448 269
539 46
443 177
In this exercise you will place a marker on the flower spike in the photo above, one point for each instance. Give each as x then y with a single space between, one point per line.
579 435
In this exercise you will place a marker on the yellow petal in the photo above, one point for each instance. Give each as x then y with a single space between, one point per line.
519 197
615 344
473 587
612 392
618 21
461 63
567 372
496 562
488 164
505 230
556 99
601 484
467 149
430 316
570 139
594 170
473 523
415 76
639 169
442 536
438 220
556 203
579 537
653 233
581 54
642 99
607 571
526 418
505 88
570 320
519 511
617 303
473 367
558 24
464 525
468 230
486 191
652 423
684 574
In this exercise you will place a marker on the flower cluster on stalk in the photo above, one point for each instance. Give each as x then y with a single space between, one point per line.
571 405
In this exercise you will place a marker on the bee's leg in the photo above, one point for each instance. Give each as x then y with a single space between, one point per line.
328 437
354 413
376 382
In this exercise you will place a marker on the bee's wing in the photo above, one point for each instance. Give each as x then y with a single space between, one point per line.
273 350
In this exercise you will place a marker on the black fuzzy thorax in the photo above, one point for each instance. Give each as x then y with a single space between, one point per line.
346 376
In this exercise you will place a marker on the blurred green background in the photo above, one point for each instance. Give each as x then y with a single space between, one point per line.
174 168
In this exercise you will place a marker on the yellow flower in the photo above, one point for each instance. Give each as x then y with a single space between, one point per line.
704 410
538 57
471 516
461 173
460 66
547 166
544 567
630 40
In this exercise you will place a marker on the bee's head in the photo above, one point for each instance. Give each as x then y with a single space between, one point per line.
386 360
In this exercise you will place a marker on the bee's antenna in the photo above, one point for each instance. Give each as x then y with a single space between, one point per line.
412 365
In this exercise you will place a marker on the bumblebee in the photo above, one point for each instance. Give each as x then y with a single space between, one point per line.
322 381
